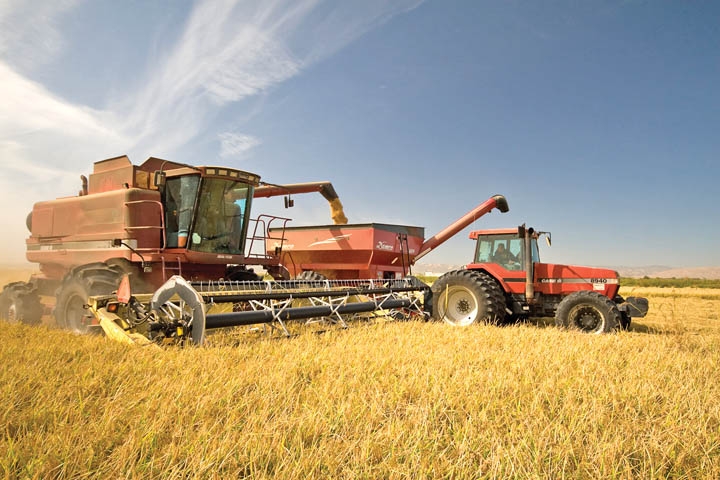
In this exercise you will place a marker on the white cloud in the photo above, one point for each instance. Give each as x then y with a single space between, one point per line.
235 144
229 51
29 33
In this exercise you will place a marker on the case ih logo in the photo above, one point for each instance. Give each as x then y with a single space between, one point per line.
384 246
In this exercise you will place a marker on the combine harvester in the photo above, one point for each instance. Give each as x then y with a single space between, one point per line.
175 242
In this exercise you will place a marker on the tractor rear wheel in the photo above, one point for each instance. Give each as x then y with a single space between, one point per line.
588 312
463 297
20 303
80 284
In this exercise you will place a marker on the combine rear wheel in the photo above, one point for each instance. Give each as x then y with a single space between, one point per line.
588 312
463 297
20 303
80 284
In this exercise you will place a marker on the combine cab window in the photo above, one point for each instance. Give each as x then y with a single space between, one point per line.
179 200
221 221
504 250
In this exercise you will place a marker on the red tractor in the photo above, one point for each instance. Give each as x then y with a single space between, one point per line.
507 281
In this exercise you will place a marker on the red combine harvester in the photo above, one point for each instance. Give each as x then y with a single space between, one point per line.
157 224
507 281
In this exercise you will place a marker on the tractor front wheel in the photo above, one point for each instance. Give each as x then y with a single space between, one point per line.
589 312
463 297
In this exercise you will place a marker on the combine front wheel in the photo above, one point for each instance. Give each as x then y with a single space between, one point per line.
463 297
588 312
78 286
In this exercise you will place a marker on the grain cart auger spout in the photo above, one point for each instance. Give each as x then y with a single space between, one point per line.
180 312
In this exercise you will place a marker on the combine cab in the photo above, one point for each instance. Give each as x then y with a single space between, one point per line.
507 281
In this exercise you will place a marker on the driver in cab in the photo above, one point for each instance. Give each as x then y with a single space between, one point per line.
503 256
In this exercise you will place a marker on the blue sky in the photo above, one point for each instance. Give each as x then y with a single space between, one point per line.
599 121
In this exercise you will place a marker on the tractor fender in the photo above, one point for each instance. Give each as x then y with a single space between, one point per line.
177 285
500 281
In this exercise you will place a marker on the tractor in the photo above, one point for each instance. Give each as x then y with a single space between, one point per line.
507 282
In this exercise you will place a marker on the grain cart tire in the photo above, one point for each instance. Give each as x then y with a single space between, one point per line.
311 276
589 312
80 284
241 273
20 303
463 297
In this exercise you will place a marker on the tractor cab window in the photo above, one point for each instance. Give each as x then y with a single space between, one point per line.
504 250
222 214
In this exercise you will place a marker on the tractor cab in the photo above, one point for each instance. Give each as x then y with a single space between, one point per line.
504 247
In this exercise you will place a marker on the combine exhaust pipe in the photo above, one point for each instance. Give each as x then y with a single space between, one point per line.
496 201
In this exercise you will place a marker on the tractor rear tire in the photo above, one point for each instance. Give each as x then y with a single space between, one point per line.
80 284
20 303
463 297
588 312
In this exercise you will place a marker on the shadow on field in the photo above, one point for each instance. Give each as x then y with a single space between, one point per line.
549 322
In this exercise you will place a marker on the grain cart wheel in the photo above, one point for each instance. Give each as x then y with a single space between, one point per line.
311 276
20 303
80 284
588 312
463 297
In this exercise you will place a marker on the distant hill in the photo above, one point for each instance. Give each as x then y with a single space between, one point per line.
653 271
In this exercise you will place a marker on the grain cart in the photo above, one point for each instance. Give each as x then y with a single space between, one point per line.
367 250
507 281
157 222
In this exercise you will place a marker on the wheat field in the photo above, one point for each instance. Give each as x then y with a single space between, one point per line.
379 400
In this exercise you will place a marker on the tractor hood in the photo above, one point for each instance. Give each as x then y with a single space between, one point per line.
568 278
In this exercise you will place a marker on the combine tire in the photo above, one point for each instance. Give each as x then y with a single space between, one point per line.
588 312
20 303
463 297
80 284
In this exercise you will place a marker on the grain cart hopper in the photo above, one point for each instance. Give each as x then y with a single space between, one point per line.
370 250
150 222
506 280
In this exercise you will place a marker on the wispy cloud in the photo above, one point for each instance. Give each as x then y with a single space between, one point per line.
235 144
29 31
229 51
